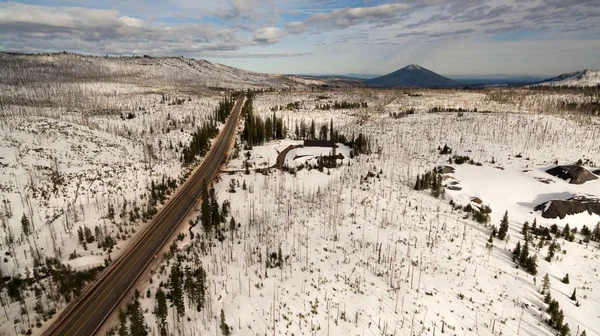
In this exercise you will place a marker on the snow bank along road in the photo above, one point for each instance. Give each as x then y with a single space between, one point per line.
87 314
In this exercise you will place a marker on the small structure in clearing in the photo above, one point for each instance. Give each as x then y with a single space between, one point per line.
320 143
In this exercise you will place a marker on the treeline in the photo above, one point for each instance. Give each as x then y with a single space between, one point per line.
401 114
592 107
159 191
342 106
66 282
258 131
450 109
431 180
224 109
200 143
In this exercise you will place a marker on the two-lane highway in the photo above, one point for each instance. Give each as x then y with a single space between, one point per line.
87 314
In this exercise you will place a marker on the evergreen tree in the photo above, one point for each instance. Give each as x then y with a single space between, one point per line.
565 330
225 208
205 214
225 330
558 322
123 324
176 289
517 251
546 284
331 137
161 311
503 227
313 130
551 250
137 326
525 229
532 265
566 279
80 235
232 227
548 298
566 232
25 225
524 255
574 295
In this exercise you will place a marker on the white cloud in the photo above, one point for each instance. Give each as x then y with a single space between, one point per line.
351 16
268 35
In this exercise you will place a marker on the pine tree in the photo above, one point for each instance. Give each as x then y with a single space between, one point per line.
565 330
558 322
232 227
123 324
331 137
205 210
532 265
517 251
176 289
80 235
225 330
25 225
503 227
137 326
525 229
551 250
548 298
161 311
574 295
566 231
524 255
546 284
566 279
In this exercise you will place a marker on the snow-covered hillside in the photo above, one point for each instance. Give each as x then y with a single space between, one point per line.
578 78
150 71
355 250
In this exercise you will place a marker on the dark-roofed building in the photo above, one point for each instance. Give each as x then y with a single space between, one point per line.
320 143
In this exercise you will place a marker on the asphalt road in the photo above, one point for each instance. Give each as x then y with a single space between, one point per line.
87 314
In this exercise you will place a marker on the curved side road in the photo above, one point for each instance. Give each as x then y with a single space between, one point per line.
87 314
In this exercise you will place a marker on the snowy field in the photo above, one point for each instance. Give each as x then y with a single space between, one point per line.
357 251
362 253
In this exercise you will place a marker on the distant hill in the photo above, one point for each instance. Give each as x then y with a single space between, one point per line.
496 80
579 78
411 76
153 70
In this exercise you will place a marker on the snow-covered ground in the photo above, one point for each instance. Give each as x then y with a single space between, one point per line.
365 254
86 161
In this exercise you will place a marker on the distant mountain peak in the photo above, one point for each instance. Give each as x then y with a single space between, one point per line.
412 75
413 67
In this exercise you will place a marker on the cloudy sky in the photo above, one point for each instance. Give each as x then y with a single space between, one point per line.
452 37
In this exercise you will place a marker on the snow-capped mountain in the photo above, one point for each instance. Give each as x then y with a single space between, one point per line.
411 76
580 78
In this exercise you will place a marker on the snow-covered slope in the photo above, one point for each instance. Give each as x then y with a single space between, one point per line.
579 78
165 71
